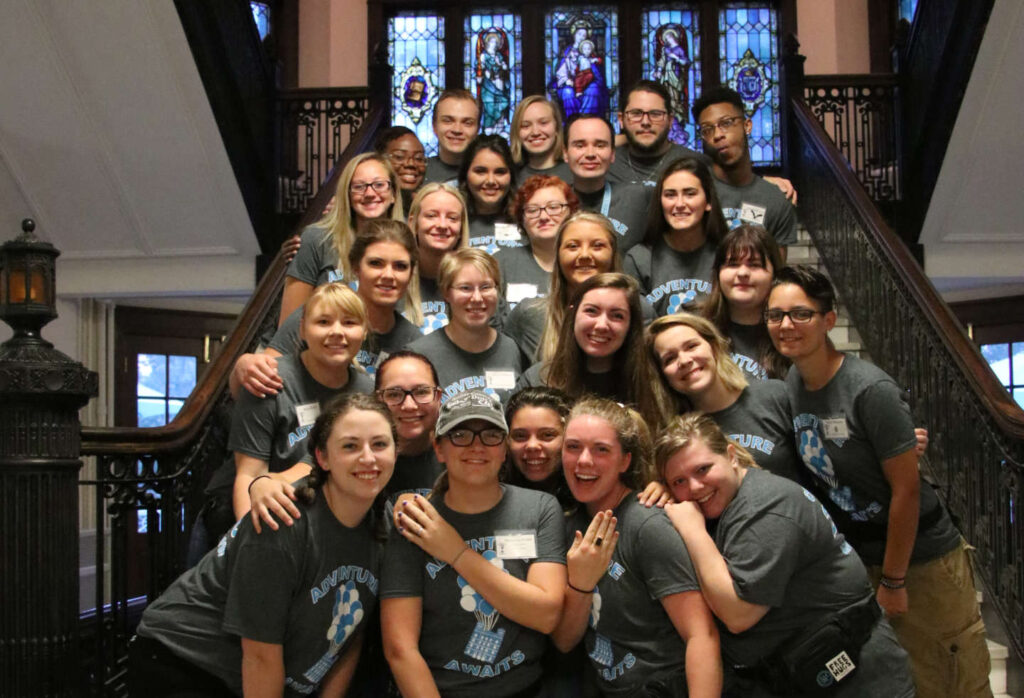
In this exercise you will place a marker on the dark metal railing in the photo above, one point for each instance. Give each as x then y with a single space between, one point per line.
977 449
146 483
858 112
314 127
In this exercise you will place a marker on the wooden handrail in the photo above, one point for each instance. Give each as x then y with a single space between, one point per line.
851 80
1006 414
194 413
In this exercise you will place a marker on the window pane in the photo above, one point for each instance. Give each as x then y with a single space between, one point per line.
1018 395
173 407
151 413
582 68
907 9
261 15
748 51
492 60
416 52
152 375
1017 373
182 376
998 358
671 56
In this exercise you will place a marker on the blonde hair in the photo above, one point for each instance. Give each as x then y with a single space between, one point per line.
631 431
386 230
340 224
341 299
417 205
685 430
453 263
726 369
558 296
516 143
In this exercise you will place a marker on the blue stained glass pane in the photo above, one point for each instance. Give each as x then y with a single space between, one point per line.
261 15
416 52
582 67
749 63
493 67
671 55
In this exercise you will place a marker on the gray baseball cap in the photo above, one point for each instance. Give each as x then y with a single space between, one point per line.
472 404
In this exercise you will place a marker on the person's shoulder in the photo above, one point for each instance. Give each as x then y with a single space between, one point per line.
768 389
314 233
523 497
640 254
405 329
677 152
858 374
359 381
629 192
430 342
290 365
763 492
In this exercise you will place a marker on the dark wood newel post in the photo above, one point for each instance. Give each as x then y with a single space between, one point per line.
792 86
41 391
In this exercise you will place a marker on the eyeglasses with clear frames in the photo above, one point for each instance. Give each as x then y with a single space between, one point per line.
798 316
637 115
381 186
400 156
708 130
489 436
423 394
553 208
469 289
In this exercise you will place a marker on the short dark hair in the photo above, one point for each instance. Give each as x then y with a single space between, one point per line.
581 117
497 145
814 283
392 133
403 354
717 95
648 86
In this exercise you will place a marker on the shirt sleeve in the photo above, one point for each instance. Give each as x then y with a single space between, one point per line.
886 419
252 426
305 266
783 228
286 339
637 264
551 542
402 568
762 554
260 592
664 560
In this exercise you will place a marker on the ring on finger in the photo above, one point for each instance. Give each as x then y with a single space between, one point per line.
597 543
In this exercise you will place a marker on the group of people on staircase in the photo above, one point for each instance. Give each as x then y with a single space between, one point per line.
552 417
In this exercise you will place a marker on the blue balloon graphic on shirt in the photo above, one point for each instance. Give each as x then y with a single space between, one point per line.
815 457
433 322
677 300
485 641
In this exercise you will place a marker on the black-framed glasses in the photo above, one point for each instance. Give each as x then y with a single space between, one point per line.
637 115
553 208
489 436
708 130
798 316
381 186
423 394
400 156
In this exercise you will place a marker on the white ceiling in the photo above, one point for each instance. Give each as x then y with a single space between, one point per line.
974 232
107 140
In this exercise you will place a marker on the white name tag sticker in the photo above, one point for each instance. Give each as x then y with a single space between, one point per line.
520 292
515 545
836 428
307 413
840 665
500 380
749 213
507 232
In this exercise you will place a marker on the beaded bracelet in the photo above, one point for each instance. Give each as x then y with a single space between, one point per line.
576 588
258 477
456 559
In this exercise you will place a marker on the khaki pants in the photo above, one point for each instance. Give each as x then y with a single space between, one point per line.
942 631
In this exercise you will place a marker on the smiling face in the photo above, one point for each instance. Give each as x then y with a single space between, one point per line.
585 251
602 321
333 337
537 129
535 442
472 298
415 421
684 202
370 203
488 180
590 149
475 465
646 136
384 273
745 280
359 458
456 122
439 223
686 360
697 474
797 341
592 460
406 155
544 226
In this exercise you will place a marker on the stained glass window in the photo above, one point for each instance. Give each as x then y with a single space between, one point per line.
907 9
261 15
671 56
492 61
748 55
416 52
581 44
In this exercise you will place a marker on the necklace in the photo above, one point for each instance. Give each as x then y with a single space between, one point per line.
644 177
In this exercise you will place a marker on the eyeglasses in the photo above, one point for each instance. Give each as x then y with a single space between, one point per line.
636 115
798 316
708 130
469 289
423 394
489 436
400 156
381 186
553 208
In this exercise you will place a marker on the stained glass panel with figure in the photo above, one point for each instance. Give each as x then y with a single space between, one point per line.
416 52
493 67
748 55
671 55
581 44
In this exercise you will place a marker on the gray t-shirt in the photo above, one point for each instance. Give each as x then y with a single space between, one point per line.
521 276
746 342
625 205
761 422
438 171
784 551
492 233
630 639
435 310
472 649
309 587
646 170
761 203
672 280
494 370
376 346
559 169
316 262
844 432
415 473
274 428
